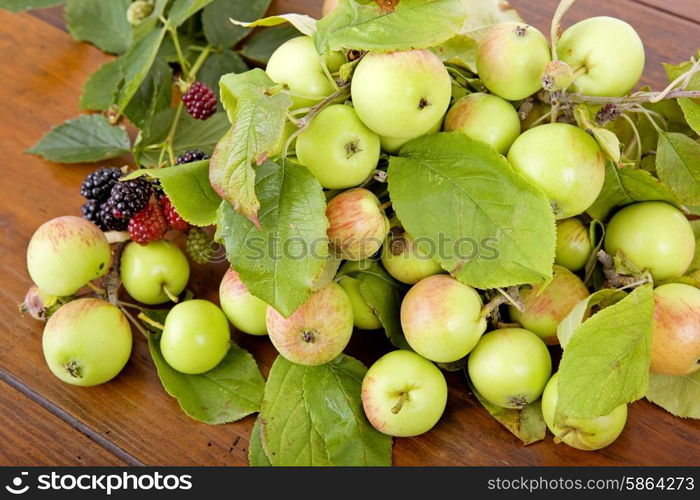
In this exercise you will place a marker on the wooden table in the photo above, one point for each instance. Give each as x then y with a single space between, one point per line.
131 420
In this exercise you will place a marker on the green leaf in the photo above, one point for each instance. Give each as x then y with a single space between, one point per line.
282 261
627 185
189 190
103 24
600 299
219 30
218 64
678 165
20 5
527 424
154 95
184 9
101 88
690 107
606 362
312 415
256 453
137 63
368 27
486 13
464 205
259 47
189 134
258 113
228 392
459 50
696 260
305 24
679 395
88 138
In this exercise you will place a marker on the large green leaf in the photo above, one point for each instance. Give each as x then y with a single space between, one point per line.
600 299
305 24
627 185
87 138
260 46
20 5
282 261
483 14
370 27
690 107
101 88
218 64
137 63
184 9
226 393
606 362
312 415
219 30
678 165
470 211
256 453
679 395
154 95
101 23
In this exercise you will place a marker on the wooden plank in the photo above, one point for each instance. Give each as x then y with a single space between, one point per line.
687 9
43 438
133 412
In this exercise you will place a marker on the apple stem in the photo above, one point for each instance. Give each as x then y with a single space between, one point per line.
617 280
403 397
558 439
173 298
99 291
142 316
385 205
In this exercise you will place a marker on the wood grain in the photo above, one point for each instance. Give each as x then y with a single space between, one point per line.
133 413
687 9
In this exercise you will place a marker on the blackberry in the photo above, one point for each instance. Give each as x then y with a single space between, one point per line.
174 220
98 185
191 156
91 212
200 101
130 197
109 221
198 245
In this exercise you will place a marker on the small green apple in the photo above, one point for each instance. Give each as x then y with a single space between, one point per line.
401 94
338 148
243 309
606 53
510 367
297 64
564 162
547 304
316 332
65 254
403 259
154 272
403 394
486 118
196 337
581 433
511 58
574 245
441 318
653 235
364 317
87 342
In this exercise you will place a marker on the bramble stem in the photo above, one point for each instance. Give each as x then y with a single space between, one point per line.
632 99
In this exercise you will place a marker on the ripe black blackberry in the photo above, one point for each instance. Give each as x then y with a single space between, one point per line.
109 221
91 212
98 185
130 197
200 101
191 156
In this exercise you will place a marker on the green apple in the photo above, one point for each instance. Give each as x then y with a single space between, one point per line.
511 58
486 118
297 64
196 337
653 235
606 53
243 309
155 272
441 318
574 245
338 148
675 346
510 367
564 162
581 433
357 224
403 394
403 259
316 332
87 342
547 304
392 145
66 253
401 94
364 317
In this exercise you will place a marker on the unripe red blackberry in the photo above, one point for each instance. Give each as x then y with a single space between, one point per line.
200 101
171 216
148 225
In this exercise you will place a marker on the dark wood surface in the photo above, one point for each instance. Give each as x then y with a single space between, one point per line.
131 420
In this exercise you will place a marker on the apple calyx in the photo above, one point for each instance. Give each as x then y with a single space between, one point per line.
309 336
521 29
73 369
403 398
397 240
557 76
352 148
519 401
423 103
